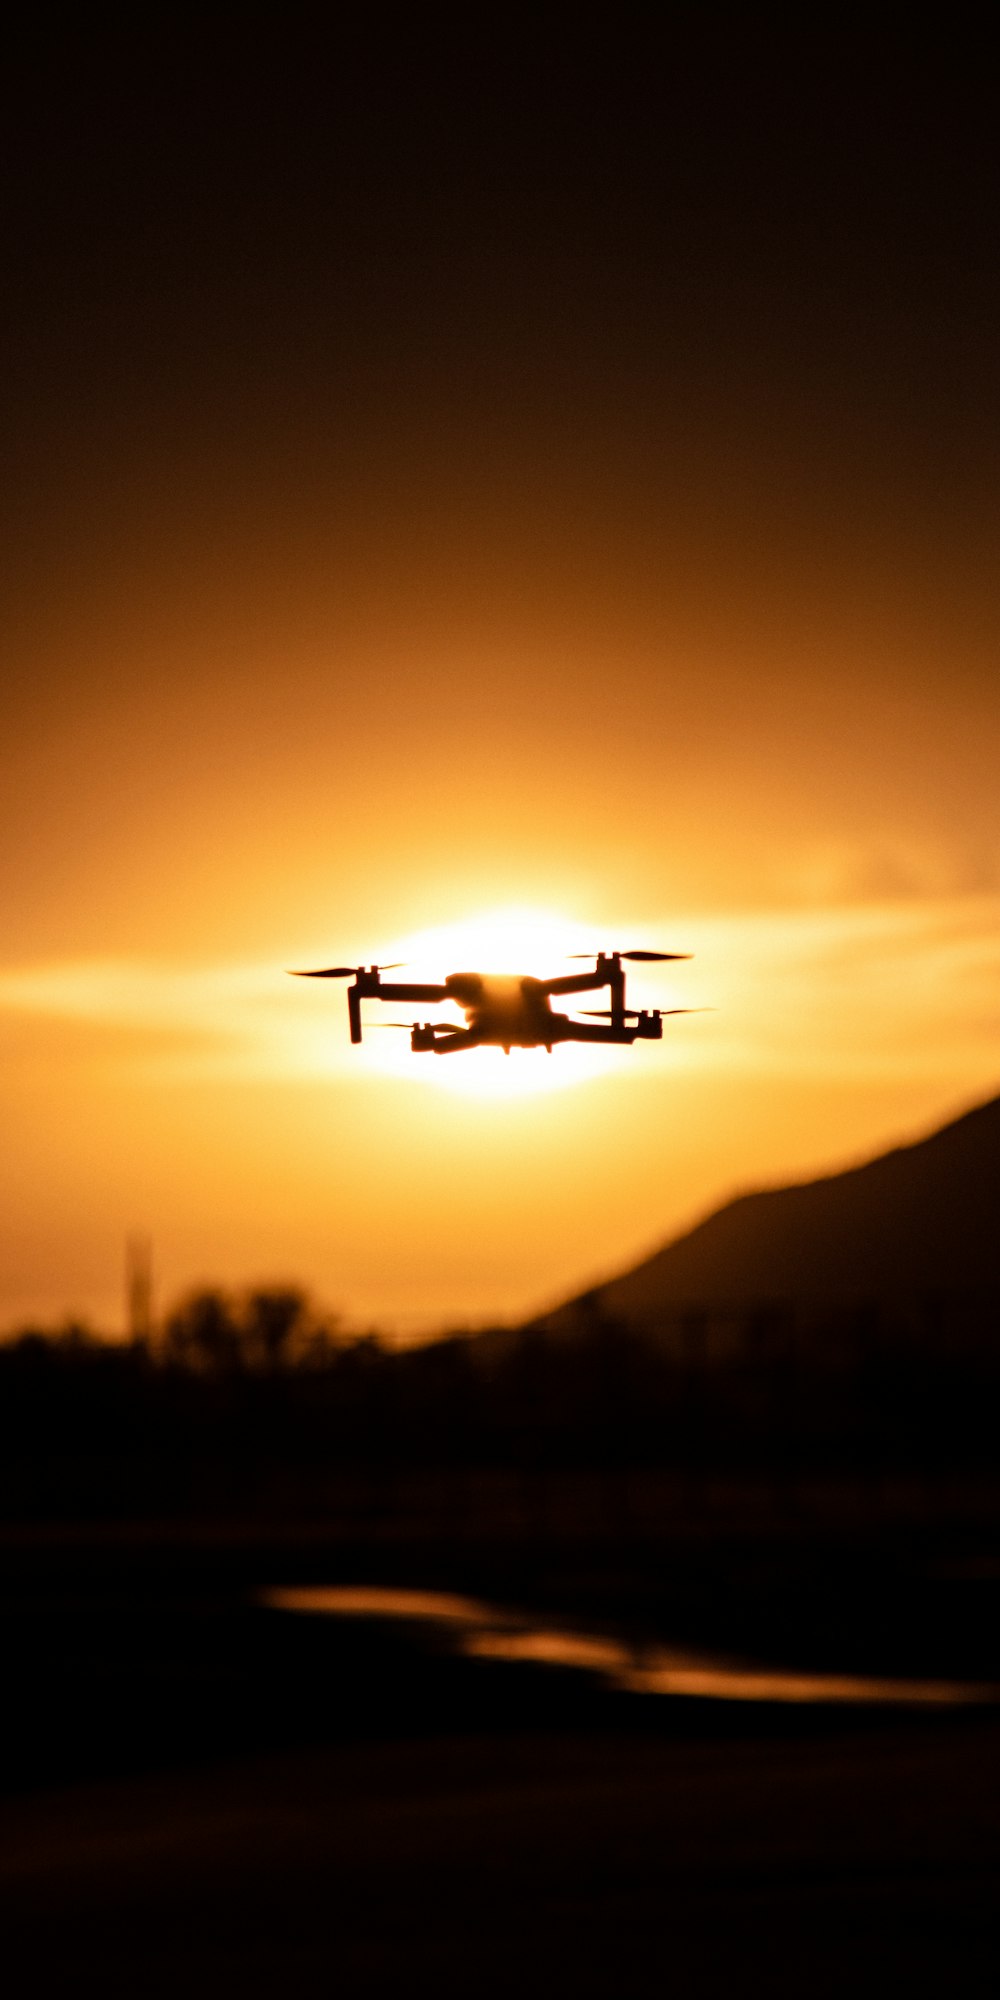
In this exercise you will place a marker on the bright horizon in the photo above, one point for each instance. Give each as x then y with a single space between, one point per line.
477 1187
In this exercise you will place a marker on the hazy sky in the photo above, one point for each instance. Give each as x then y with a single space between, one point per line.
529 467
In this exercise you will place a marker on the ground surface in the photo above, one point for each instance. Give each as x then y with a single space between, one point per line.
199 1797
862 1861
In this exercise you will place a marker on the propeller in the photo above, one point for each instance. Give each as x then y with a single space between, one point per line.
346 971
649 957
632 1013
635 957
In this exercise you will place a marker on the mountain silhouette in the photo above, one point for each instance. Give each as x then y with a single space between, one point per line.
921 1220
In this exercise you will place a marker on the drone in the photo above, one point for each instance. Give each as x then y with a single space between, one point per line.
511 1012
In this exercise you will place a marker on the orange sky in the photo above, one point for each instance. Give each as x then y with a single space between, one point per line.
405 528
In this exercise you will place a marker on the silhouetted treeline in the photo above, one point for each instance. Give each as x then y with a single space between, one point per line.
258 1401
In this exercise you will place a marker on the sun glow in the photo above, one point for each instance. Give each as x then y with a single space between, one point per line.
510 940
892 991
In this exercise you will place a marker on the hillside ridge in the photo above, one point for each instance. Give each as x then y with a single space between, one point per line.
923 1217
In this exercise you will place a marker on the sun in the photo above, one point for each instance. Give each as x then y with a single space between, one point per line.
515 939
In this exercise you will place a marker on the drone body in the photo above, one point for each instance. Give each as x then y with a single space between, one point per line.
509 1011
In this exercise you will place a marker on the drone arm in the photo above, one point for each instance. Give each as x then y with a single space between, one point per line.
588 1031
397 990
643 1027
446 1044
368 986
577 982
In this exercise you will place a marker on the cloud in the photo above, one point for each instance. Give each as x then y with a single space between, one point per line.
896 869
901 988
228 1017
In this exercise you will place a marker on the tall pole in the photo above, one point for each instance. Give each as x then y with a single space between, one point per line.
139 1289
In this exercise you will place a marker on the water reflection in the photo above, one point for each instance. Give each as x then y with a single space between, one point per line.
717 1682
549 1647
361 1601
483 1631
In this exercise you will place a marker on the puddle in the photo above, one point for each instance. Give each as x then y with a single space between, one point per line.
484 1631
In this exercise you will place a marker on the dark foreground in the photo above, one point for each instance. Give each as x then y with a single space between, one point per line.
204 1796
826 1864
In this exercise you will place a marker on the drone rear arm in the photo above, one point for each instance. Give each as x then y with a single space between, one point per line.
645 1028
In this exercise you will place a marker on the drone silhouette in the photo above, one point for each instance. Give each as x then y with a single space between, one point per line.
511 1012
